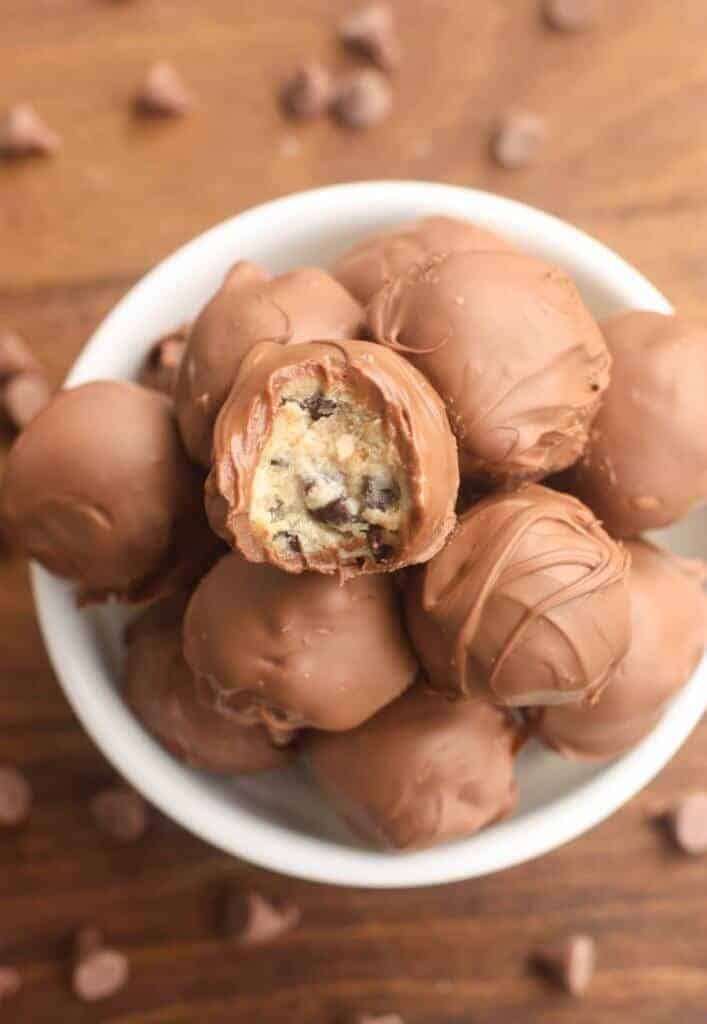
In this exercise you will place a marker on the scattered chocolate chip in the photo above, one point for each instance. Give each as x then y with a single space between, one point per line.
571 15
334 513
370 31
10 982
161 367
319 407
517 140
380 492
380 550
163 93
308 92
291 539
24 396
15 356
569 962
363 98
87 940
15 797
121 813
687 821
23 133
265 922
100 974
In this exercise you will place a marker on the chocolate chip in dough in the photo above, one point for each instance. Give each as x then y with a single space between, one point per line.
379 492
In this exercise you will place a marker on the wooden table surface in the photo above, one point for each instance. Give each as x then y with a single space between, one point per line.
626 160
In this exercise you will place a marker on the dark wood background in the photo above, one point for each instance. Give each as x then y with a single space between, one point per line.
627 161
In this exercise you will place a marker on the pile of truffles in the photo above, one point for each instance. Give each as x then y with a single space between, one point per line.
325 494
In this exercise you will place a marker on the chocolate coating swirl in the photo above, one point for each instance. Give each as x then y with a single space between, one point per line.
526 604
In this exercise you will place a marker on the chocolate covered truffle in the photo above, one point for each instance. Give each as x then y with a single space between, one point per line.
332 456
162 691
668 619
292 651
646 462
509 345
248 308
527 604
375 261
423 771
98 489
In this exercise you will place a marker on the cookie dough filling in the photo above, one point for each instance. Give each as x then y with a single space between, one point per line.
329 478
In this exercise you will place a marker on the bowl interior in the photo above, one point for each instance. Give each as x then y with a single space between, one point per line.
278 820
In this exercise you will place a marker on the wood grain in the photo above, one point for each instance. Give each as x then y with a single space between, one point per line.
627 161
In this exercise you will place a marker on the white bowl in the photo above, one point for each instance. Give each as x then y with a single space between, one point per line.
277 821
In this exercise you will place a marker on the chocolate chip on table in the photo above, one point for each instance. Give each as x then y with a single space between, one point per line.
370 31
15 797
687 822
334 513
163 93
571 15
120 813
99 974
10 982
379 492
308 91
15 356
24 396
87 940
569 962
379 549
363 98
24 133
319 407
517 140
262 920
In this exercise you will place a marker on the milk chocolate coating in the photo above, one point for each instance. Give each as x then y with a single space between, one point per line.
646 462
386 383
423 771
248 308
365 268
668 619
98 489
296 650
509 345
161 690
527 604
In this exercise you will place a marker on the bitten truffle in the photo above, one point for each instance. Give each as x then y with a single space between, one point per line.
668 619
509 345
527 604
162 692
248 308
292 651
375 261
423 771
333 457
646 462
98 489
